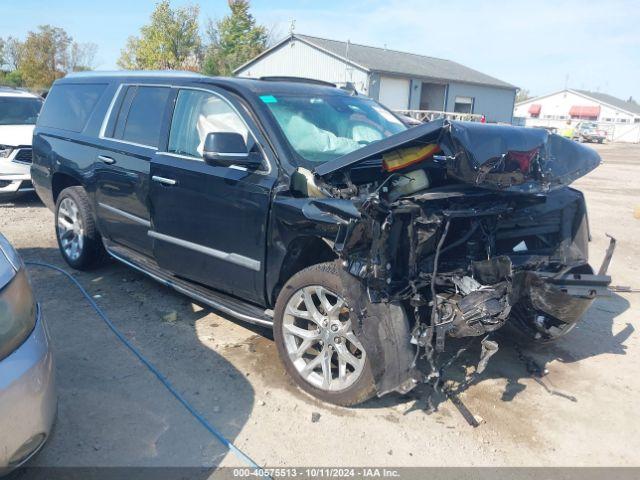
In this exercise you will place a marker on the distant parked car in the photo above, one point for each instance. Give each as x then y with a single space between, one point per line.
18 114
27 381
589 132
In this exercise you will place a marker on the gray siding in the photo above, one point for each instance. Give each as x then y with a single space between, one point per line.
297 59
495 103
432 96
374 86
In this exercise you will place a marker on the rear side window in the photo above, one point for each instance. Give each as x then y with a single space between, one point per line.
139 119
19 110
69 106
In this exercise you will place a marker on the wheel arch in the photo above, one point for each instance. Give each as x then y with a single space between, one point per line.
302 252
60 181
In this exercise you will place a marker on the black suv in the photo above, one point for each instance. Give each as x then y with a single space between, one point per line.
363 242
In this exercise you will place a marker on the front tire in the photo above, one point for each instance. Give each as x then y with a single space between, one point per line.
78 237
316 341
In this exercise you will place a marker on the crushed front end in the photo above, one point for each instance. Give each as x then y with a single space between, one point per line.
493 235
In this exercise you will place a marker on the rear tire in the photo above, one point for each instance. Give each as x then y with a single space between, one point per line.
78 238
322 319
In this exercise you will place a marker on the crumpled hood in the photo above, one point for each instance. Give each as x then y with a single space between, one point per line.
496 157
16 135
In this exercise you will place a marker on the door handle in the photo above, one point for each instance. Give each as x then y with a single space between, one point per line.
107 160
164 181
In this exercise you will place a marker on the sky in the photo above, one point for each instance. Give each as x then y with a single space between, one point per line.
540 45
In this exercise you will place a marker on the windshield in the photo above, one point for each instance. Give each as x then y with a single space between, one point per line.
19 111
323 127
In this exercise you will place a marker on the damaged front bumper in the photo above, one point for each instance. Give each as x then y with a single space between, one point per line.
486 233
464 266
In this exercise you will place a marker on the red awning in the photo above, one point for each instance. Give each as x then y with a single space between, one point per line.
535 108
583 111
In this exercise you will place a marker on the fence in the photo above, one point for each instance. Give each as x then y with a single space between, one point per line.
428 115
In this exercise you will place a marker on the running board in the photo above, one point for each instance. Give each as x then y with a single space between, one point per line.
220 301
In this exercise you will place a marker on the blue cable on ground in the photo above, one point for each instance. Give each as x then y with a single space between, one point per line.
198 416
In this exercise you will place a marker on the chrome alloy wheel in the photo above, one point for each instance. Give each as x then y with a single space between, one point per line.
319 339
70 229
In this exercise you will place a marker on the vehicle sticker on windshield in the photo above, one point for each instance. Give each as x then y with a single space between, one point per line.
268 99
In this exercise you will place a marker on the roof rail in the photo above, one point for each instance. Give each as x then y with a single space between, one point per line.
297 80
134 73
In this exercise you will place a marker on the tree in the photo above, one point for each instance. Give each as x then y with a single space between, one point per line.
1 52
82 56
234 40
45 56
170 41
12 52
522 95
13 78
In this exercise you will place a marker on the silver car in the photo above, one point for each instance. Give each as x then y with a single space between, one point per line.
28 402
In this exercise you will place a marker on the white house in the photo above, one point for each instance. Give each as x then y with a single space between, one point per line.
620 118
399 80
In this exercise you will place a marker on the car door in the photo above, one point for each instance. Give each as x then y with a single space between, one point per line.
209 222
129 140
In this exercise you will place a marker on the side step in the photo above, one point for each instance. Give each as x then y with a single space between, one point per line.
220 301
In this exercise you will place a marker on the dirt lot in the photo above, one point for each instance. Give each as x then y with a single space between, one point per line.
112 412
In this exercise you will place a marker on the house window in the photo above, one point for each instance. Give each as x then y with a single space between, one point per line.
463 105
636 120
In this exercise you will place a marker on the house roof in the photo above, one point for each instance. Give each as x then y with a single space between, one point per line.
375 59
611 100
603 98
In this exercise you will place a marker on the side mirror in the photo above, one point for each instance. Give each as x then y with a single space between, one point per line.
226 149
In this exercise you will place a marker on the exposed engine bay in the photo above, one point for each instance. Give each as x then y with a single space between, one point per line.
466 226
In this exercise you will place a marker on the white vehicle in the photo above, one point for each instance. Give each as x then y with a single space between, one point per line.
18 114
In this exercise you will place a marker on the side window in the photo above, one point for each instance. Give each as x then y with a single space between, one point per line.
140 117
195 115
69 105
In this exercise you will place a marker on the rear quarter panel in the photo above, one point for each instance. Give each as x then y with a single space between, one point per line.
58 151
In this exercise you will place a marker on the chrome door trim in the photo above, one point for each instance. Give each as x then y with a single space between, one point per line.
164 180
107 115
193 295
234 258
231 155
122 213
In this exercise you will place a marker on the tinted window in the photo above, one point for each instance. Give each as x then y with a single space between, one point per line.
196 114
19 110
143 119
69 106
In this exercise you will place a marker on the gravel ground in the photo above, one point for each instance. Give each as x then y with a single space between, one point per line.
112 412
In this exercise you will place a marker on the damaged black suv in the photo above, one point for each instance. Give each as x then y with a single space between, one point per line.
365 244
